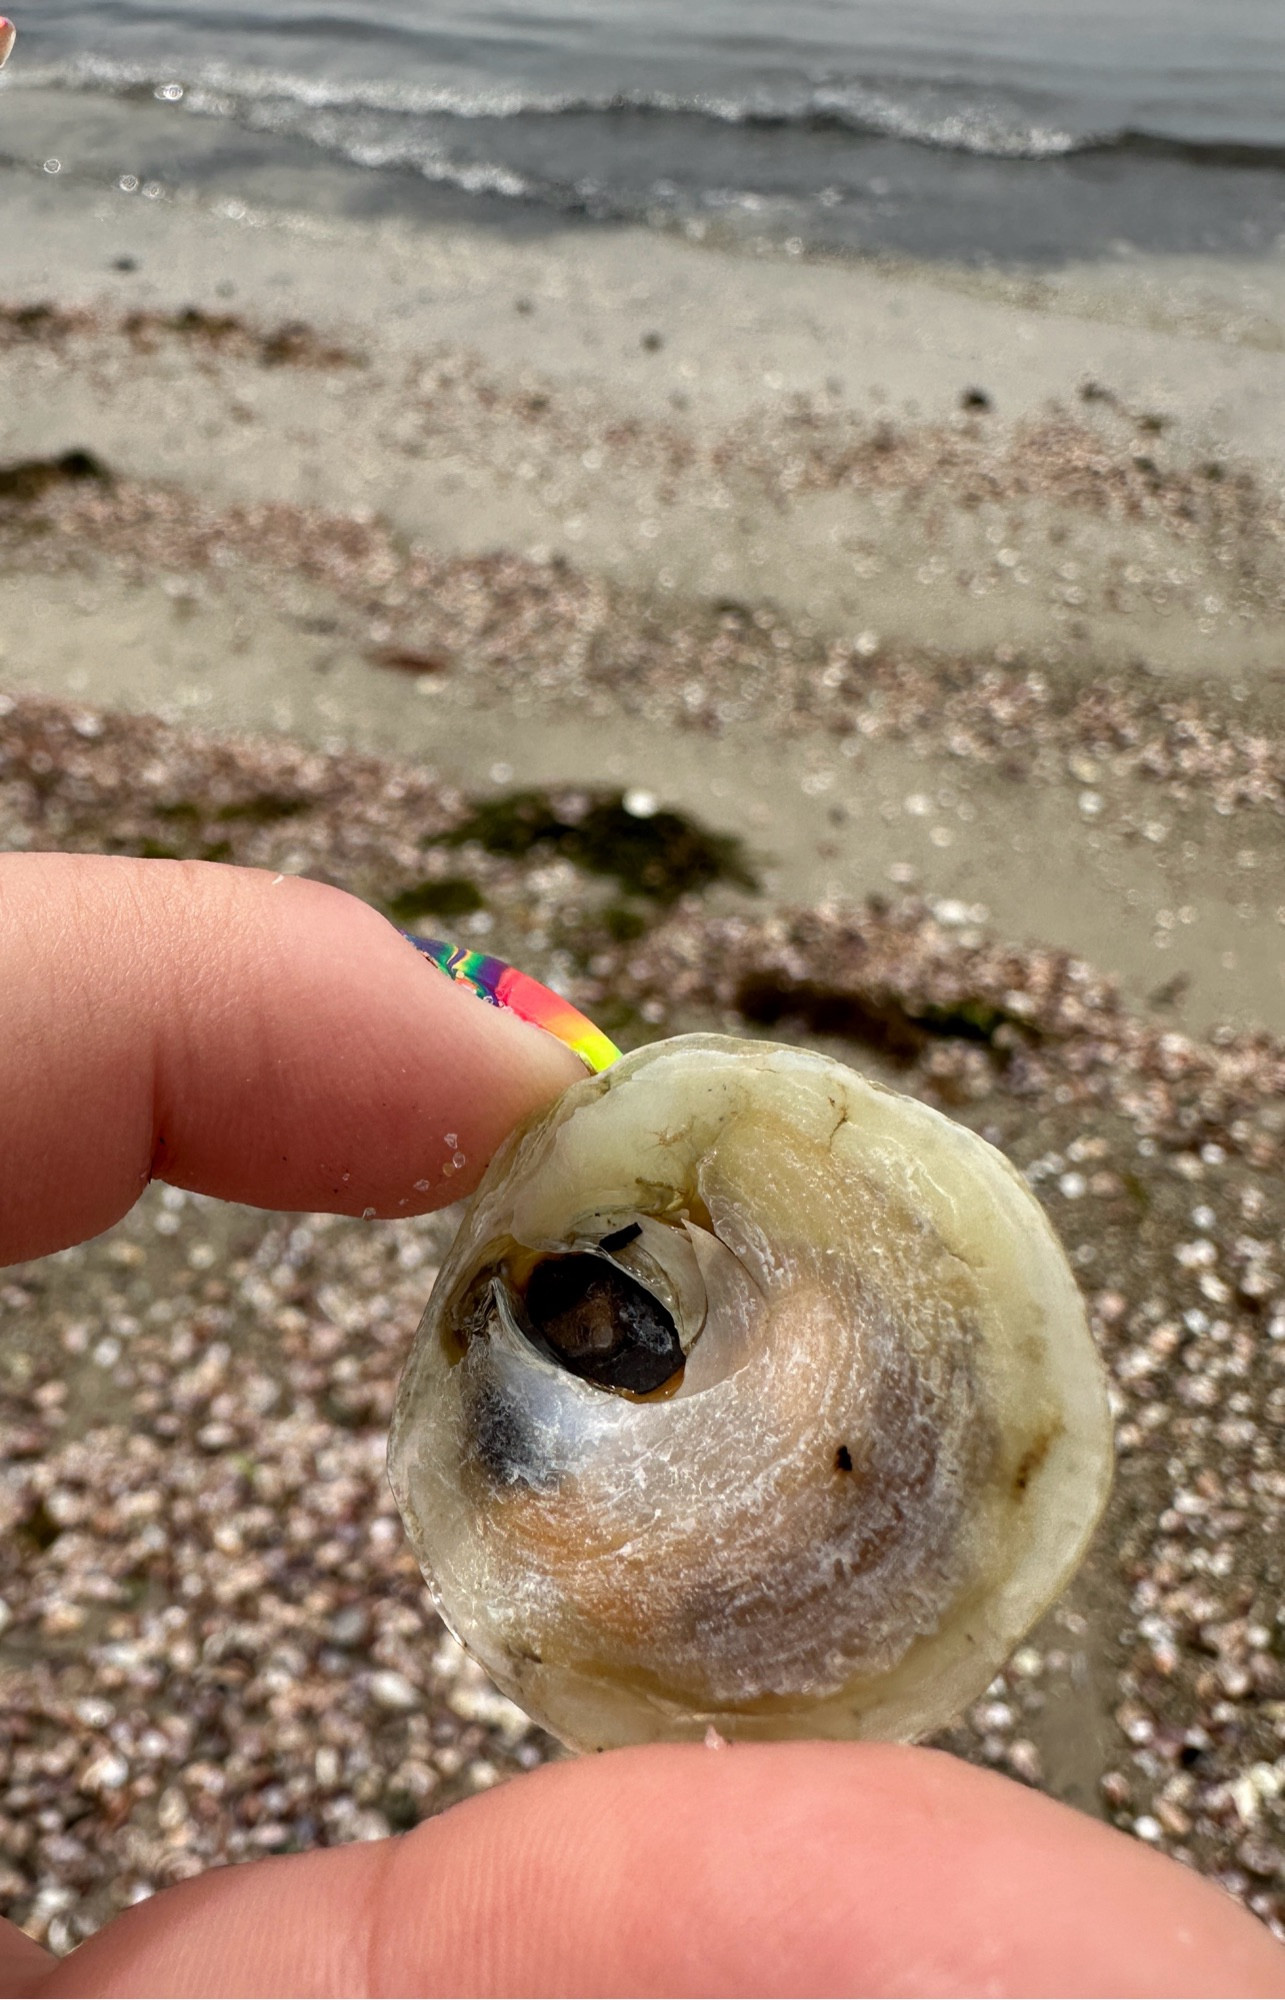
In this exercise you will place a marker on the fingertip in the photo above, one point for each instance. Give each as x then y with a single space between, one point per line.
764 1869
402 1082
812 1868
250 1035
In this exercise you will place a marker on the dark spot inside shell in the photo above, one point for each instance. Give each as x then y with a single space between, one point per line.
843 1459
601 1324
507 1444
1031 1461
620 1237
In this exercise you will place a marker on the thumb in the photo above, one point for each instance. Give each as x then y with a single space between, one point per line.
775 1868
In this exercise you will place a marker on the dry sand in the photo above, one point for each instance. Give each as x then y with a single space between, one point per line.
610 509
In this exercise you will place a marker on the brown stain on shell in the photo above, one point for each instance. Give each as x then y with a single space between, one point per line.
1032 1459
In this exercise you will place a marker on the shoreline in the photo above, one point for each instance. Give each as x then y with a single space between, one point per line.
835 188
631 449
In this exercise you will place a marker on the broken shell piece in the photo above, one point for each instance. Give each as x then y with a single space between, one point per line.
752 1396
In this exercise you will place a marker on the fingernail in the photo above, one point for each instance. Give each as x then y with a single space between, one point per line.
502 985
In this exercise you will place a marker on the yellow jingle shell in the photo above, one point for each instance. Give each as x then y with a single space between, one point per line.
752 1395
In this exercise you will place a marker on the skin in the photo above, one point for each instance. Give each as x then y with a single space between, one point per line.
8 35
272 1041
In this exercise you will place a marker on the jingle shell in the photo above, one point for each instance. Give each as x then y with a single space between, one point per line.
753 1395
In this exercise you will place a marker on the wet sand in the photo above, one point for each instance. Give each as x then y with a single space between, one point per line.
684 431
955 599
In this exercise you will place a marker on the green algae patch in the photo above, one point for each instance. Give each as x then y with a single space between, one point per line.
659 854
453 896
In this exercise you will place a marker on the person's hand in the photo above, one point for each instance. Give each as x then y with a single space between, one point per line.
272 1041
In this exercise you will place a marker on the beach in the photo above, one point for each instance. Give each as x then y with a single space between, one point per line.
929 617
682 429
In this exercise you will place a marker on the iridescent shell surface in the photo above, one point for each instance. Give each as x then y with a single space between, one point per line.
851 1442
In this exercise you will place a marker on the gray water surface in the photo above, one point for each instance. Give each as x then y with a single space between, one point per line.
984 130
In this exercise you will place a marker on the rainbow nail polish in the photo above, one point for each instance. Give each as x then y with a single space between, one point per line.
502 985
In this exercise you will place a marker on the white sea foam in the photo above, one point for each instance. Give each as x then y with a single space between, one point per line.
229 90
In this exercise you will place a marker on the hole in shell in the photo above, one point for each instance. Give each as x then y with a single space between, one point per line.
601 1324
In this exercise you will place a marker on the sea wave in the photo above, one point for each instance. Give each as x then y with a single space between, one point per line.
917 115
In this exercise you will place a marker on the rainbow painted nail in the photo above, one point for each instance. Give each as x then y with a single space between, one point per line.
502 985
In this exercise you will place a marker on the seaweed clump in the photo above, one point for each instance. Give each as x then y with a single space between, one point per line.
452 896
31 478
657 853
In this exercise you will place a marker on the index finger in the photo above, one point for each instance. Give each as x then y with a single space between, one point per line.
261 1038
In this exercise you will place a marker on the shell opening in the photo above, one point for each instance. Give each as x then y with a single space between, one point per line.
651 1308
594 1319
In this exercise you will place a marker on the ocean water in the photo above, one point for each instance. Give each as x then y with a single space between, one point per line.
1001 131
